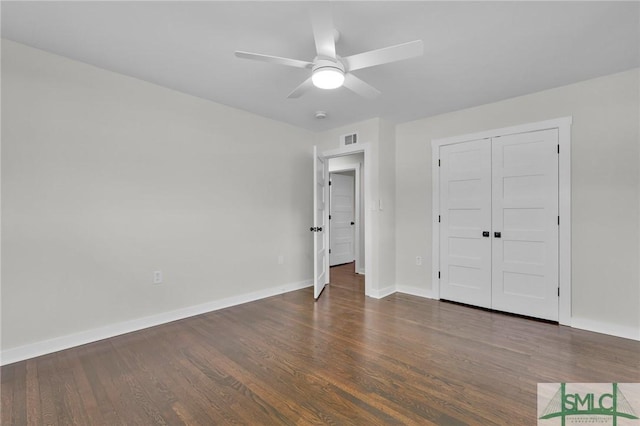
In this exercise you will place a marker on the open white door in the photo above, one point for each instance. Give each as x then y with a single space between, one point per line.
319 228
342 219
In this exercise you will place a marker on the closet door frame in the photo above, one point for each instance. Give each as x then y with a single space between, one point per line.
564 201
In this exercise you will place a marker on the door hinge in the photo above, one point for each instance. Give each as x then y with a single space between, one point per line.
438 162
438 274
558 291
329 183
438 218
329 251
558 148
558 220
329 217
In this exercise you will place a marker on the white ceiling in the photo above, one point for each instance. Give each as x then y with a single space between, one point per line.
475 52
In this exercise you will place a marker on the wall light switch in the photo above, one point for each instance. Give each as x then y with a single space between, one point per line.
157 277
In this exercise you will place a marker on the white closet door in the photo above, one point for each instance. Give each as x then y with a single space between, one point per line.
465 200
525 213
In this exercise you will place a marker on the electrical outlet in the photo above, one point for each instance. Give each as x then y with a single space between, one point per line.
157 277
419 260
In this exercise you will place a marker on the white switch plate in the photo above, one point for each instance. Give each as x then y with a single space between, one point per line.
419 260
157 277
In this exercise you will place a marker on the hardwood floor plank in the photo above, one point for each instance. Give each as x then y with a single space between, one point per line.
345 359
88 355
19 411
7 383
70 405
33 393
49 401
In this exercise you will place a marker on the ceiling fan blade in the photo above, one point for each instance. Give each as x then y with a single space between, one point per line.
384 56
274 59
358 86
300 90
322 23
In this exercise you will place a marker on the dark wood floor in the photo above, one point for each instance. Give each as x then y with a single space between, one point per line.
346 359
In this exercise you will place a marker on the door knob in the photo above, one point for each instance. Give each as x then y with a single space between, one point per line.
353 223
319 229
497 234
312 229
485 233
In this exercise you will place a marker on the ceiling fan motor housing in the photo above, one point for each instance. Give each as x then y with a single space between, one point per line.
327 63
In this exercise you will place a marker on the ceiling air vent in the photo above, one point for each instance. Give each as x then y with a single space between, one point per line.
349 139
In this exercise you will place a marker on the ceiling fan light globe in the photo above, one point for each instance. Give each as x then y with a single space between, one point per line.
328 78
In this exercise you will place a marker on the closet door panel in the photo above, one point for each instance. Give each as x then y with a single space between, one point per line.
465 212
525 212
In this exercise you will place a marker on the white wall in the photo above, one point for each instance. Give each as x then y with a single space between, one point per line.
605 191
387 185
338 163
106 178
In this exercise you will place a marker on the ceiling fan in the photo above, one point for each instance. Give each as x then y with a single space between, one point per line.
330 71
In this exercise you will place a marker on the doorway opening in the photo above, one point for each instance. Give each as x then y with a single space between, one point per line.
342 218
346 218
348 226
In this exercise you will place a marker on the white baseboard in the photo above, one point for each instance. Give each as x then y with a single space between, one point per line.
20 353
360 271
626 332
617 330
379 294
415 291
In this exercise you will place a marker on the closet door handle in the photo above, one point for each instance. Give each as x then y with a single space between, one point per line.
497 234
485 233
